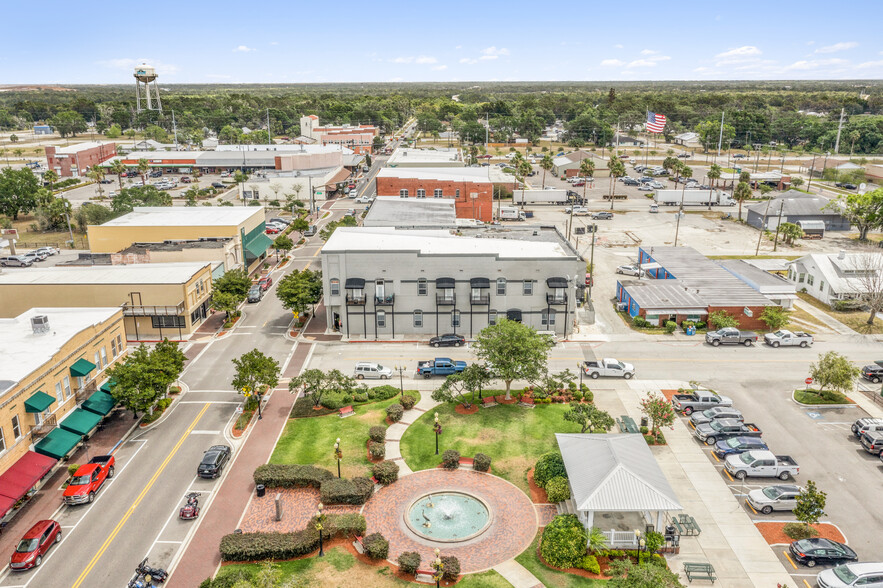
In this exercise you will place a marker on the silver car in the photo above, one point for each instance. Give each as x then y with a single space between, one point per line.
15 261
630 270
717 412
371 370
866 575
780 497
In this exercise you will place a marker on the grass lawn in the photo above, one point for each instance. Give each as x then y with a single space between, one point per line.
857 320
513 436
311 440
812 397
27 237
549 577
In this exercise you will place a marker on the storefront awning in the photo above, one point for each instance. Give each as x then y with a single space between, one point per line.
80 421
108 386
354 284
21 477
513 315
480 283
556 282
100 403
259 245
81 368
57 443
38 402
444 282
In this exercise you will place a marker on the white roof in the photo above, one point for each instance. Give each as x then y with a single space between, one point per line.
843 275
440 242
136 273
446 174
22 352
613 472
77 147
173 216
287 148
427 156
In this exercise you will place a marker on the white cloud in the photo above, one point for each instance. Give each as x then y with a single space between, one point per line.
810 42
488 57
420 60
244 49
274 42
458 47
440 67
424 60
618 46
837 47
126 63
804 64
612 63
869 65
641 63
743 51
493 51
403 60
468 60
649 52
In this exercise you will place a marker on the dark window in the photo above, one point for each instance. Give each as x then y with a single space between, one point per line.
381 318
455 318
167 322
403 193
418 318
492 317
335 287
421 287
437 193
421 193
501 286
527 288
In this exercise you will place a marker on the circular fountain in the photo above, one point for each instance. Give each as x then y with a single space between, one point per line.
448 517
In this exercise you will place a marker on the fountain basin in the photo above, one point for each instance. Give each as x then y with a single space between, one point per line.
448 517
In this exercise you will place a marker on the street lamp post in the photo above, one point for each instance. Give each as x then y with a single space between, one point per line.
338 455
639 541
437 428
401 371
579 368
320 519
438 566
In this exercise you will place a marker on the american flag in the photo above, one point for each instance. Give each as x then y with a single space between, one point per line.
655 122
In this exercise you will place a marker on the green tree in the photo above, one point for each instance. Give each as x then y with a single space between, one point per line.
514 350
328 230
810 504
168 361
138 382
225 302
462 387
92 215
143 167
18 191
740 194
721 319
659 411
589 417
129 198
790 232
563 543
117 167
617 170
235 282
13 138
50 177
865 211
300 225
96 174
775 318
156 133
714 174
113 132
68 122
284 244
710 132
834 372
54 213
312 382
797 182
300 289
547 164
628 574
255 374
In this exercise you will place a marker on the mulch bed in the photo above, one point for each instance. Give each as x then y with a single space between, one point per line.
368 453
502 400
602 561
668 394
460 409
537 494
774 533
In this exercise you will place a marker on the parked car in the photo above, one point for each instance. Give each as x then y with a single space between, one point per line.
88 479
48 250
34 544
265 283
719 430
761 464
186 179
631 182
872 441
646 188
219 185
440 366
448 340
371 370
866 575
735 445
608 367
630 270
780 497
699 400
577 211
364 199
740 156
684 155
818 550
731 336
255 294
866 424
715 413
786 338
15 261
657 184
271 230
282 221
873 373
312 230
213 461
603 215
33 256
350 212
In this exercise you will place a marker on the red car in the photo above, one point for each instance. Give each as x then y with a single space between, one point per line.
34 545
272 230
589 280
88 479
265 283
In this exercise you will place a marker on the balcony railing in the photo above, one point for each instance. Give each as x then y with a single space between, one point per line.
88 389
480 299
387 300
140 310
44 428
445 299
556 298
356 299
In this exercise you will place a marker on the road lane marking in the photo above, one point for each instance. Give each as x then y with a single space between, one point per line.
201 432
175 542
137 502
807 584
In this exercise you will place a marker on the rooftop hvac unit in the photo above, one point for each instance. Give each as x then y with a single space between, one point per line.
40 324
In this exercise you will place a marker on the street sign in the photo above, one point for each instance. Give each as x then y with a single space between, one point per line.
808 381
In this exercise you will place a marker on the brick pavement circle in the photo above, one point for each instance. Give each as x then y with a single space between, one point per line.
512 530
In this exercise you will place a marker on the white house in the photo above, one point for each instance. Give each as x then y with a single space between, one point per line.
837 276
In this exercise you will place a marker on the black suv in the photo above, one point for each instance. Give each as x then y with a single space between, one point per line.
213 461
448 340
873 373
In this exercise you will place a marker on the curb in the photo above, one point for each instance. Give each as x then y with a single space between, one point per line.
795 401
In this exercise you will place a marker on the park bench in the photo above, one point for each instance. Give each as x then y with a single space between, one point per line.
374 479
688 524
527 402
699 571
346 411
488 402
427 576
467 461
627 425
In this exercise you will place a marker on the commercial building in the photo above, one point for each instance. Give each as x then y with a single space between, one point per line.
470 187
685 285
384 282
838 276
775 287
405 157
42 130
221 252
158 299
323 183
51 360
392 211
152 224
568 165
74 161
359 138
795 207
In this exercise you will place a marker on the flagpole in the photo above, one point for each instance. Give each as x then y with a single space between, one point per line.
721 136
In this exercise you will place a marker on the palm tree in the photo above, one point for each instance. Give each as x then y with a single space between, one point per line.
118 167
597 541
670 163
18 152
742 192
714 174
587 171
143 167
790 232
547 164
96 174
617 170
50 177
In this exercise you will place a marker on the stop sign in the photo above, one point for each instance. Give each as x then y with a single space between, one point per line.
808 381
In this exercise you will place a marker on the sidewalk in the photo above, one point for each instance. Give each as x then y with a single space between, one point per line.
395 431
729 541
201 557
825 318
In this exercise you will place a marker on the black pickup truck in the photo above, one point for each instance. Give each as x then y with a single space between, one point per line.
722 429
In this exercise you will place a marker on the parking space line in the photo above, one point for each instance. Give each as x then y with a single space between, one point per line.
715 457
790 561
751 507
729 476
807 584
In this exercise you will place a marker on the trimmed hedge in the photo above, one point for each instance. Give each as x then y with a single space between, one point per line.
409 562
384 392
451 459
377 434
291 476
563 544
341 491
557 489
262 546
590 563
376 546
408 402
377 450
548 466
341 524
395 412
481 462
386 472
451 567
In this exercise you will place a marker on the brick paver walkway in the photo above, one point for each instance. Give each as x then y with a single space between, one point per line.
511 531
299 505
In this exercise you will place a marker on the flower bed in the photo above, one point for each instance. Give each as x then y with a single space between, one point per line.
774 532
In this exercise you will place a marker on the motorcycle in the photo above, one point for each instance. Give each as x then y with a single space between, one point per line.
148 575
190 510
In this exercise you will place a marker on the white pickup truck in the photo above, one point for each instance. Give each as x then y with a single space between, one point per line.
608 367
785 338
761 464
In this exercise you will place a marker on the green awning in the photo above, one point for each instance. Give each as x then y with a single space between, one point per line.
259 245
38 402
80 421
57 443
81 368
108 386
100 403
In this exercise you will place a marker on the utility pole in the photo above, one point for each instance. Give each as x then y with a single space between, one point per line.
592 261
720 137
765 213
776 240
811 170
175 130
678 223
839 128
269 135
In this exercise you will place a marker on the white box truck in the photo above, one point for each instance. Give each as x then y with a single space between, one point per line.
547 196
692 197
511 213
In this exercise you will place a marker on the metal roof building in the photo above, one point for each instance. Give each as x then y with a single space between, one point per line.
392 211
794 206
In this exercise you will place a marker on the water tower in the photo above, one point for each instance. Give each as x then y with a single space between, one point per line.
145 74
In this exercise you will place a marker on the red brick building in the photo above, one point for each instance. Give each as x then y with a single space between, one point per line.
75 160
359 138
471 188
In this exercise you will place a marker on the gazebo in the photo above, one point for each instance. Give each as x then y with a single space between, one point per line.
616 485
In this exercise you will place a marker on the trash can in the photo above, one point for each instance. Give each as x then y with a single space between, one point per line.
260 490
691 331
644 421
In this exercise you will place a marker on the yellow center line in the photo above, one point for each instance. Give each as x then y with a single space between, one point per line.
138 500
788 557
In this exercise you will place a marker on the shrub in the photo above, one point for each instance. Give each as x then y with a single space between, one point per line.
372 394
72 469
352 491
395 412
361 398
376 546
291 476
408 402
563 544
384 392
332 402
640 322
644 430
590 564
577 395
347 398
558 489
409 562
451 459
548 466
451 567
262 546
481 462
687 324
342 524
386 472
589 396
798 531
670 327
377 434
700 324
377 450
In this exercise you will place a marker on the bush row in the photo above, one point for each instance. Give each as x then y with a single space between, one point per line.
343 491
291 476
262 546
386 472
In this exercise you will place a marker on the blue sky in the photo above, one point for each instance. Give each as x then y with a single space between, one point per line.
193 41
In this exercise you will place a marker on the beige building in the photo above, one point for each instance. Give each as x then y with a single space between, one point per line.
155 224
407 157
51 361
158 299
